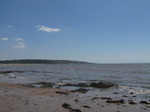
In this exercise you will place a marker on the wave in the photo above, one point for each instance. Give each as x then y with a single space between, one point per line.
134 90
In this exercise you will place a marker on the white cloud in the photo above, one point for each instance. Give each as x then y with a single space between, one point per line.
47 29
19 39
5 38
10 26
19 45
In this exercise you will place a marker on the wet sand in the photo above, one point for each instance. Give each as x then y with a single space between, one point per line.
18 98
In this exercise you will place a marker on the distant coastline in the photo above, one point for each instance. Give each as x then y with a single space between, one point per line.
41 61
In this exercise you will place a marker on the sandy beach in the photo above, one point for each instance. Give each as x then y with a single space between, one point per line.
18 98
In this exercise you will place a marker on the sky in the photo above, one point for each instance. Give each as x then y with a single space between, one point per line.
99 31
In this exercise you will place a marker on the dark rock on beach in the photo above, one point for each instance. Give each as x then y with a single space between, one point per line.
116 101
64 93
68 106
46 84
132 102
40 85
74 110
147 106
101 84
106 98
144 102
131 92
78 85
115 93
80 90
7 72
85 106
76 100
95 98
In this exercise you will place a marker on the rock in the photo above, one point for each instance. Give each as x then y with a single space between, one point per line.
116 101
83 84
80 90
5 91
147 106
5 72
75 110
39 85
102 84
76 100
144 102
78 85
8 72
85 106
45 84
115 93
106 98
131 102
64 93
95 98
67 106
28 85
143 108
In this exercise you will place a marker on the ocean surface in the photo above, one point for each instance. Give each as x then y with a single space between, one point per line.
129 77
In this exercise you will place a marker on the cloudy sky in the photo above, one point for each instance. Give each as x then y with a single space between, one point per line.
101 31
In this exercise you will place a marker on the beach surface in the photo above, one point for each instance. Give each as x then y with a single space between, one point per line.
19 98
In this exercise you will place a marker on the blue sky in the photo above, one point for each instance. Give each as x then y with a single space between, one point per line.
101 31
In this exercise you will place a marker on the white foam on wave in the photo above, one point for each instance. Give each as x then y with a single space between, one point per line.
11 75
134 90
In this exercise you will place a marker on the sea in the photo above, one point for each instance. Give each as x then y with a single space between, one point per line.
130 77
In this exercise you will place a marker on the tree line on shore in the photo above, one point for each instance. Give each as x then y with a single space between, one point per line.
40 61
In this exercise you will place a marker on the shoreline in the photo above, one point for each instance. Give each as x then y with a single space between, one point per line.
19 98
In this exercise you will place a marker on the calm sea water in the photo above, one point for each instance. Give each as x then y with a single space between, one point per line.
126 75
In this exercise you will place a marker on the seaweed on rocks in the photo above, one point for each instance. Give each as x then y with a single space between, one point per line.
46 84
83 86
78 85
101 84
40 85
30 85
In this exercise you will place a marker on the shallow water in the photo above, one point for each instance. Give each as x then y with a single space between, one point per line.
126 75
